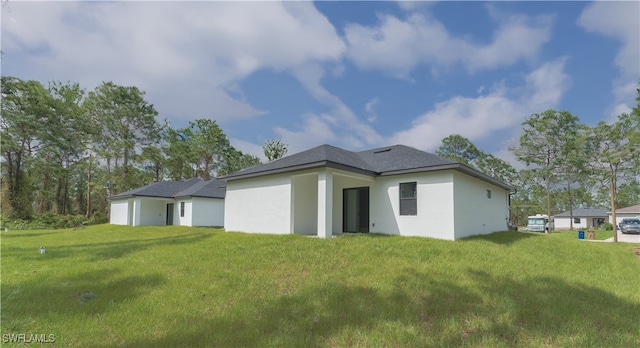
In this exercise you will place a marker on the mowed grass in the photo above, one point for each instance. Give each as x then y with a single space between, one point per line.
176 286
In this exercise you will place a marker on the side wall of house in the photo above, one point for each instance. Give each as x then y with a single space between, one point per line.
345 180
564 222
186 218
434 203
119 214
207 212
259 205
304 195
153 212
476 213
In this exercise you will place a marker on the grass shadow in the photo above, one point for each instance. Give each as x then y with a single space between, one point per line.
40 296
503 238
420 311
20 235
100 251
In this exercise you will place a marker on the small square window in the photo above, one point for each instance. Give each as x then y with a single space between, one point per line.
408 198
181 209
576 220
488 193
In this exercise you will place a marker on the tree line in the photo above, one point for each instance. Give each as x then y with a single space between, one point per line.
567 164
65 151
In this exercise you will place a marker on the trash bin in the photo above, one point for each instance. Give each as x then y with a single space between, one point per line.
580 234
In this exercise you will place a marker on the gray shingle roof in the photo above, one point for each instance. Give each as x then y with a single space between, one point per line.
585 212
399 157
210 189
193 187
388 160
631 209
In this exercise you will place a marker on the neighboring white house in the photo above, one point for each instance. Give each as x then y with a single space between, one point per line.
193 202
397 190
628 212
583 218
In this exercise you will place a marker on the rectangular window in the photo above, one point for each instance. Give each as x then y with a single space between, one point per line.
181 209
408 198
576 220
488 193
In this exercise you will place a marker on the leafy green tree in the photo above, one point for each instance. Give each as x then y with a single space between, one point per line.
127 124
202 150
210 146
179 155
236 160
543 145
274 149
26 109
614 154
71 133
574 170
496 168
458 148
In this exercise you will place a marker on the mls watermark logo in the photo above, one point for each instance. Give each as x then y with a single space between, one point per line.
28 338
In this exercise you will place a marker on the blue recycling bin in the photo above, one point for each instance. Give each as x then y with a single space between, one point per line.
580 234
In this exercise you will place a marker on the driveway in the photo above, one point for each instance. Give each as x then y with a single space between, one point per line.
627 238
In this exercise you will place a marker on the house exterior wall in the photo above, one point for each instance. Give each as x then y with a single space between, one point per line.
259 205
564 222
304 195
434 206
119 212
153 211
206 211
620 216
187 219
450 205
343 180
475 212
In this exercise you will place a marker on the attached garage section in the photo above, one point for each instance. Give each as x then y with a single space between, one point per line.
121 212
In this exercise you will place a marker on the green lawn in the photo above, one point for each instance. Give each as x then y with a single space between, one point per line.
176 286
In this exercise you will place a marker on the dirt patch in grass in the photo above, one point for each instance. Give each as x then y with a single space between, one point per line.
637 252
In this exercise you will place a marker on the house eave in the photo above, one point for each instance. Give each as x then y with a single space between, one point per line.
197 196
454 166
312 165
134 195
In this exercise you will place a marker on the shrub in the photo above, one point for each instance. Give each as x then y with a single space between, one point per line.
607 226
49 220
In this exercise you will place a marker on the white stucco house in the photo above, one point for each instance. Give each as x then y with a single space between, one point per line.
193 202
394 190
628 212
583 218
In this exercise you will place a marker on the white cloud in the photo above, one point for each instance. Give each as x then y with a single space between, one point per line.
619 20
340 124
397 46
370 109
413 5
182 53
315 131
248 148
498 109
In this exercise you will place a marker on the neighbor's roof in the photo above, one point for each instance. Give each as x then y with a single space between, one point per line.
194 187
632 209
585 212
397 159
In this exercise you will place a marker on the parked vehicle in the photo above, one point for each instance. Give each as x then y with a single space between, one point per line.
539 223
630 226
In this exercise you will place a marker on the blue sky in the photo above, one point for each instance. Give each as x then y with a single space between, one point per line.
352 74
